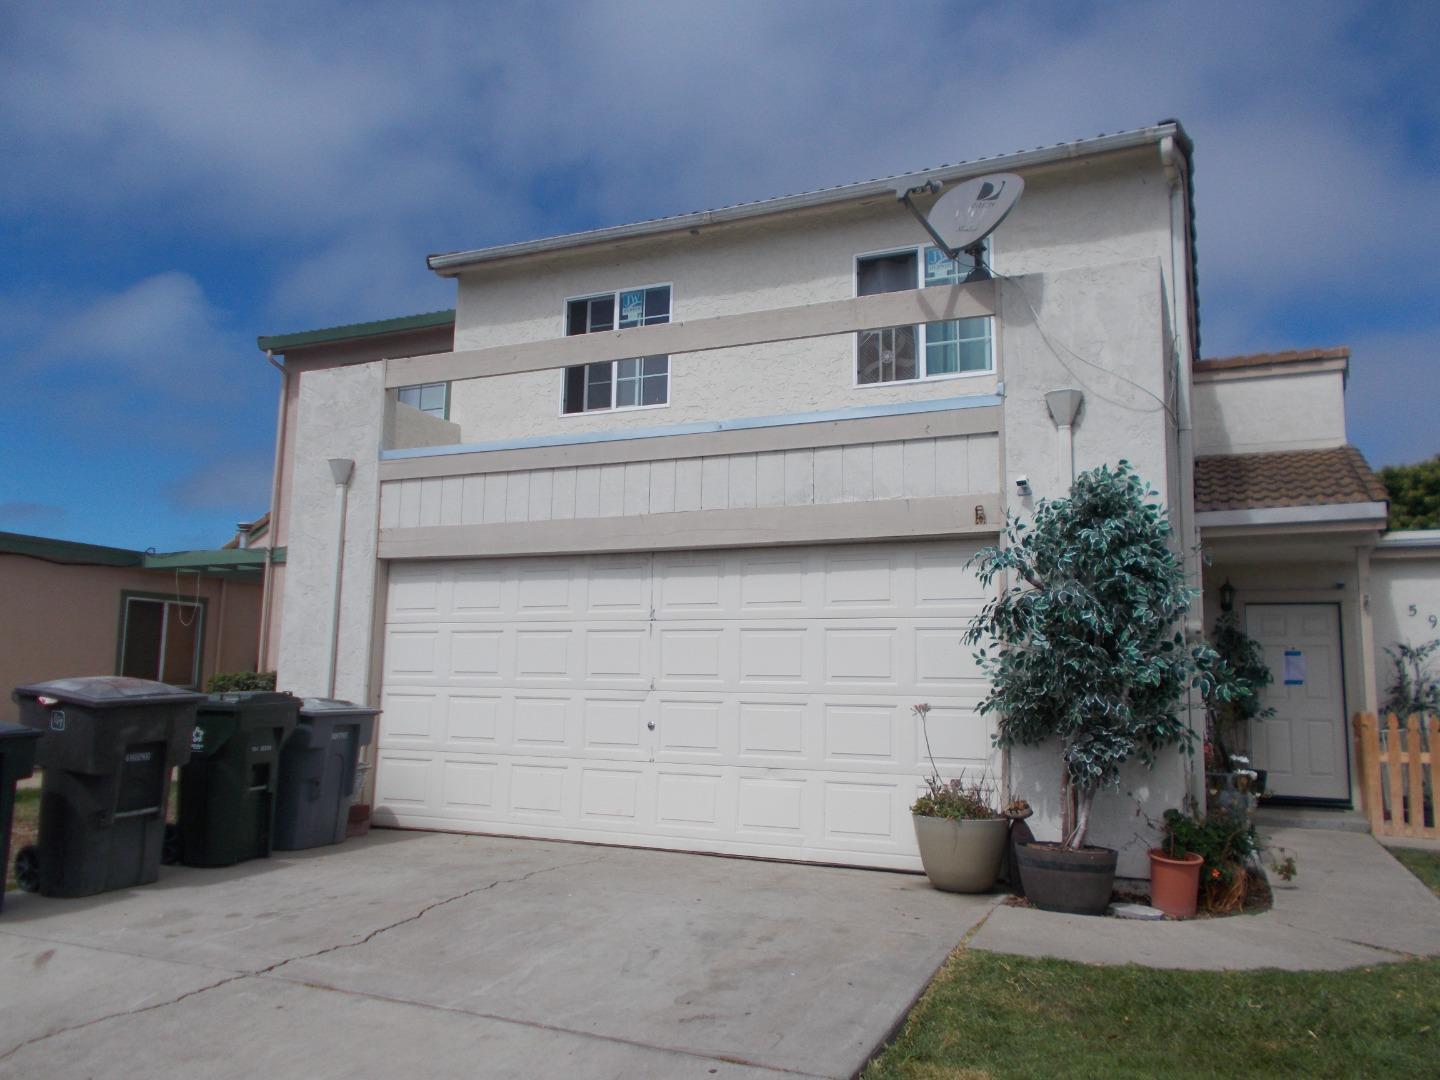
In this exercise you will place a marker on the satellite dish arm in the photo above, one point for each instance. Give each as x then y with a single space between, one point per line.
931 188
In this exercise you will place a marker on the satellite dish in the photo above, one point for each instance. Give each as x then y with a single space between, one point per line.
965 215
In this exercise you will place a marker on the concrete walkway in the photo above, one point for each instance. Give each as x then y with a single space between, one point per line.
1350 905
431 955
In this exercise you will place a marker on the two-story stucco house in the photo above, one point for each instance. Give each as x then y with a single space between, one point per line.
659 536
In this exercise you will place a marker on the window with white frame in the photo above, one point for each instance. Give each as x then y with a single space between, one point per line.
432 398
161 639
636 383
931 350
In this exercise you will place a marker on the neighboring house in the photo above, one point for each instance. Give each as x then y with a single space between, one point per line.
659 536
82 609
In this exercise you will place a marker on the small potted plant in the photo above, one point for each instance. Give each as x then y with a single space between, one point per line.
1175 865
961 836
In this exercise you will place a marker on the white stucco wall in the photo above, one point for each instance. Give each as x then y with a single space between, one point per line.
1087 214
406 427
1302 410
1398 582
340 415
1101 329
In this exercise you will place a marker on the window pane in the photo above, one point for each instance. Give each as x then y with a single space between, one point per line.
904 346
576 317
432 398
182 639
632 307
657 305
975 355
627 383
655 390
941 271
597 390
867 357
575 389
409 395
942 358
885 273
627 369
140 654
602 313
657 365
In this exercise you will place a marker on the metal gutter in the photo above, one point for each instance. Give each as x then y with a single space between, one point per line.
1373 512
428 320
451 263
1408 539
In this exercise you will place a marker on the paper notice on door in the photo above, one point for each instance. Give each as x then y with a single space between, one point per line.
1294 667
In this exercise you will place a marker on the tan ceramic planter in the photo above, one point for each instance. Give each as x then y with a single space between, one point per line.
961 856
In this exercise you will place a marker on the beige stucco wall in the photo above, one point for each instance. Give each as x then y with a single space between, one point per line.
406 427
341 415
60 620
1284 411
1398 581
1102 212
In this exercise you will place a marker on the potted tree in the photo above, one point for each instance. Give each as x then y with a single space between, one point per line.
1175 864
960 834
1232 786
1083 653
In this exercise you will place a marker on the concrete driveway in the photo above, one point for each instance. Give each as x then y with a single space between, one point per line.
422 954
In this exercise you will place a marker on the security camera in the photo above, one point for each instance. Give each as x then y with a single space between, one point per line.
1022 486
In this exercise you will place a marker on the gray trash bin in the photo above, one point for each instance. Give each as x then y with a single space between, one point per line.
107 746
317 772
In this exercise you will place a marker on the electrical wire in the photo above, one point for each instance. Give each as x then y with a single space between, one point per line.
1056 348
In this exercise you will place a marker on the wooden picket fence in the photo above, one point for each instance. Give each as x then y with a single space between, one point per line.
1397 773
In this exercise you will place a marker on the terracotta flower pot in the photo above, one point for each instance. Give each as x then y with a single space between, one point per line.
1175 883
961 856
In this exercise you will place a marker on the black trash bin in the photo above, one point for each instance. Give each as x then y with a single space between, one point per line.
107 746
317 772
227 791
17 761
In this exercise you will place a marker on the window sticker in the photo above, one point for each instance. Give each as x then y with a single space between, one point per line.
632 307
1294 667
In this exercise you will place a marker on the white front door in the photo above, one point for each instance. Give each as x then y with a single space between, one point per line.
1303 746
748 702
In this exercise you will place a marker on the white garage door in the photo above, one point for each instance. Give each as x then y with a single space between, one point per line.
749 702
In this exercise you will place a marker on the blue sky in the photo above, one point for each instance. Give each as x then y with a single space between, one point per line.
181 178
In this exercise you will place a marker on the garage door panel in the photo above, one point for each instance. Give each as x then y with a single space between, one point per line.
743 702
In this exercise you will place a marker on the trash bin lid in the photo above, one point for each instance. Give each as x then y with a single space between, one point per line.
322 706
18 731
108 692
236 700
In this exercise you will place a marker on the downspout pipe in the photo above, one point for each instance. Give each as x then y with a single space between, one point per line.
341 470
267 587
1174 156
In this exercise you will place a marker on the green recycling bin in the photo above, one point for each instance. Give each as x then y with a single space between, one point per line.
227 791
17 761
107 745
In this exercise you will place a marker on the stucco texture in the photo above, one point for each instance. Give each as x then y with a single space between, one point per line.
1396 585
341 415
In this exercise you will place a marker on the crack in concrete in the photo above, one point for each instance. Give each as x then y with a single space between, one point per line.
373 934
281 963
123 1012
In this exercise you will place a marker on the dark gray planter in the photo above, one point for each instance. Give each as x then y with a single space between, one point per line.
1076 882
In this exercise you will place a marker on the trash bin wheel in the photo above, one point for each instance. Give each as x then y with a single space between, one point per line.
170 849
27 868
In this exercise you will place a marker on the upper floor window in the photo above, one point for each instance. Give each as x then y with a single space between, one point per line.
161 639
932 350
617 384
432 398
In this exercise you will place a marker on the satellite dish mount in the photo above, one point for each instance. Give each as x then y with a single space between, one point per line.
964 216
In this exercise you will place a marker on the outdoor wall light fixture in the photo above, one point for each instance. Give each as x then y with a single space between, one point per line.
1227 596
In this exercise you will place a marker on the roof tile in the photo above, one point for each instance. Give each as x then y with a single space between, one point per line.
1285 478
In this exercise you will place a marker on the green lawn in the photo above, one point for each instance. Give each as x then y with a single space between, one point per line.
989 1015
1423 864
